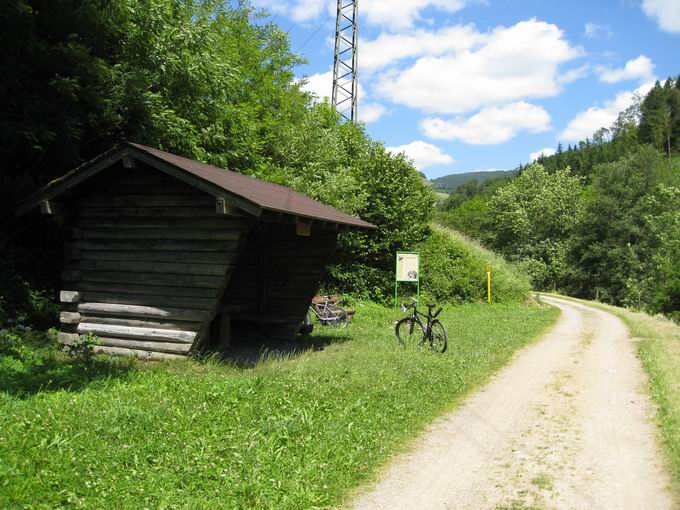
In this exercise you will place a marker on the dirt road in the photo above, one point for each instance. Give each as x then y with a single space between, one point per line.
567 424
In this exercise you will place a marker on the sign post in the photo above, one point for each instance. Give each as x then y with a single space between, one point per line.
488 283
407 270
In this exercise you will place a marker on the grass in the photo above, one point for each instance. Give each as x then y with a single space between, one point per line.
659 350
294 431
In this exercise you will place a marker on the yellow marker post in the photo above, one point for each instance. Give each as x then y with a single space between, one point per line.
488 283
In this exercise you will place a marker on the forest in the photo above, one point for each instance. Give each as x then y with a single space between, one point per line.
600 219
208 80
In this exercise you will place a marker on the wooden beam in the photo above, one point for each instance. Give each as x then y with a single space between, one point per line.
52 208
69 296
71 180
69 317
128 160
145 312
148 334
197 182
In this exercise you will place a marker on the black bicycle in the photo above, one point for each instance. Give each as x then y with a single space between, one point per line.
411 331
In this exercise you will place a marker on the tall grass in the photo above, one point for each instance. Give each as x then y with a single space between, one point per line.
298 430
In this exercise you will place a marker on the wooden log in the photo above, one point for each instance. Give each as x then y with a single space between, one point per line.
153 267
146 312
150 290
141 199
67 338
168 347
154 244
71 275
52 208
69 317
187 223
193 257
154 212
163 233
71 253
148 334
192 303
172 280
138 353
69 296
139 323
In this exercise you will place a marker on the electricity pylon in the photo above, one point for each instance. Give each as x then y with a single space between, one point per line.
345 84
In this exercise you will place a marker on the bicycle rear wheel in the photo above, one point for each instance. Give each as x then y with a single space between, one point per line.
409 332
439 338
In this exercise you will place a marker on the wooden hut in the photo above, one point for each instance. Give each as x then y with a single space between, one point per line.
166 255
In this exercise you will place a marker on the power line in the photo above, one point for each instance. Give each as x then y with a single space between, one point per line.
314 33
302 16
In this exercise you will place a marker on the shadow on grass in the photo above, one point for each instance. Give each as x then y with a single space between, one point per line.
246 353
53 371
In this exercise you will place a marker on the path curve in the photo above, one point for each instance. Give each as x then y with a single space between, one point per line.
567 424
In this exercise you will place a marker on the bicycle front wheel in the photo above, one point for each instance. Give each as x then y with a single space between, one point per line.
439 338
409 332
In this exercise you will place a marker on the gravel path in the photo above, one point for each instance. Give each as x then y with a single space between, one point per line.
567 424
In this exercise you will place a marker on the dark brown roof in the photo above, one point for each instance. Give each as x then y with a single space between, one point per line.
262 195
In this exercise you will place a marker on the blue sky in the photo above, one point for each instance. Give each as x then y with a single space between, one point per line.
466 85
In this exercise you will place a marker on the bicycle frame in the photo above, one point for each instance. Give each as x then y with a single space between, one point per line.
429 316
324 308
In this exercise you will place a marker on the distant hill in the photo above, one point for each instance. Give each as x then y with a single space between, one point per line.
449 183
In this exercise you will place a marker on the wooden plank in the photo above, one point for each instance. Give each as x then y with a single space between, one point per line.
129 288
148 355
192 303
153 212
153 267
158 347
166 233
125 187
161 324
154 244
69 296
69 317
234 222
146 312
71 180
142 199
199 183
52 208
193 257
70 275
172 280
148 334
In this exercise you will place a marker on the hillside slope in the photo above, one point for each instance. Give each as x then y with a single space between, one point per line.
449 183
452 269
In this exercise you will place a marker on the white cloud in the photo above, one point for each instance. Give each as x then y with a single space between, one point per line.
640 68
388 48
491 125
400 14
666 13
574 74
547 151
588 121
423 154
518 62
394 14
370 112
595 31
319 84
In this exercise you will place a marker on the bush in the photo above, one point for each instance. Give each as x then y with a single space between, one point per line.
452 270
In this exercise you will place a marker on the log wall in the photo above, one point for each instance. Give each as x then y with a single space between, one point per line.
276 277
147 260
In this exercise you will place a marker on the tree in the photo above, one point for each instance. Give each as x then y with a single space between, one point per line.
533 218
